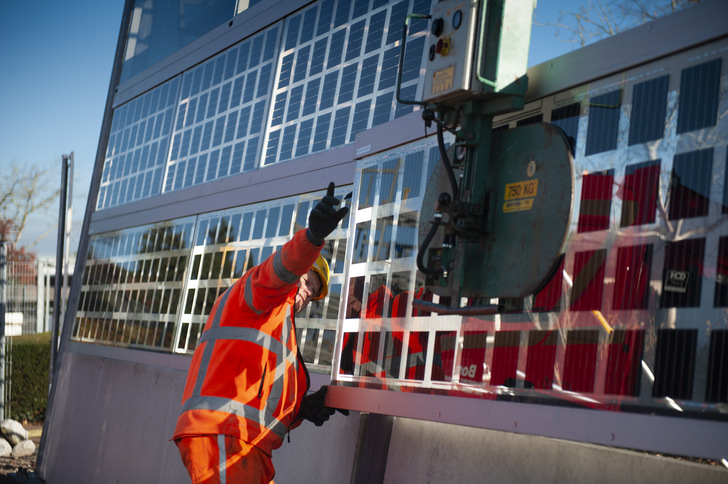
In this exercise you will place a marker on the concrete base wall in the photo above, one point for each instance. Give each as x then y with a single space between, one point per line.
112 420
450 453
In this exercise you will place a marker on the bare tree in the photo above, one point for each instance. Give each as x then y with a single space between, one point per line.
597 19
24 191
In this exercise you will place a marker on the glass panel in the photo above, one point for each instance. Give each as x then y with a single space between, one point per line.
416 356
690 187
367 188
649 105
405 242
549 297
348 353
400 295
567 118
392 357
355 65
378 297
388 182
683 273
721 274
361 242
139 157
444 356
699 94
233 108
505 358
639 193
309 346
383 239
326 352
369 364
472 366
355 298
580 361
624 362
586 294
540 359
633 277
159 28
127 290
675 363
603 122
596 201
717 388
145 269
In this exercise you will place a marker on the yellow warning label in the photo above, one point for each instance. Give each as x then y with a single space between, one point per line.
442 80
518 205
524 189
519 196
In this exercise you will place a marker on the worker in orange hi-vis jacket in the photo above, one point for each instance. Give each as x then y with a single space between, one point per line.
247 383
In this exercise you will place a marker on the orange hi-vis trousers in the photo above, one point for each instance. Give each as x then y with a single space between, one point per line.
222 459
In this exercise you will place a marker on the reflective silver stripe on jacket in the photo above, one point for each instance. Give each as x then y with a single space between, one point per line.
207 353
248 295
283 274
236 408
283 354
223 458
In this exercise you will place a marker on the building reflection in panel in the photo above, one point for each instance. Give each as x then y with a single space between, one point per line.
540 359
586 294
639 193
132 286
580 361
675 363
153 287
690 184
649 108
473 368
717 387
444 356
506 347
633 276
624 362
549 297
596 201
604 111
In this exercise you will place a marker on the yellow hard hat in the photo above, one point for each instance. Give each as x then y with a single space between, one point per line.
321 267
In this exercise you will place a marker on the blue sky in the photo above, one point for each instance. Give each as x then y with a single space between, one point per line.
55 64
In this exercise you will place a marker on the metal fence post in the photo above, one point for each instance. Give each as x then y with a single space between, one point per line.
3 294
58 286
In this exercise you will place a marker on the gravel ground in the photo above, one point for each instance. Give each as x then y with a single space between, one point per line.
18 469
22 469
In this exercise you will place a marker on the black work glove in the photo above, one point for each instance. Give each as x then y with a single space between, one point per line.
324 217
314 410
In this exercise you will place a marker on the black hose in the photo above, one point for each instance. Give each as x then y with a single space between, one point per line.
446 161
421 253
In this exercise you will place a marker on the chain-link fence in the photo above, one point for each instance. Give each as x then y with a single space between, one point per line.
29 294
27 301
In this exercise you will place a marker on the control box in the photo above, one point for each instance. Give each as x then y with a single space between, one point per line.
478 49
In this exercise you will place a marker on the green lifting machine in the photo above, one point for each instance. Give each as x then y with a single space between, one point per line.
497 208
